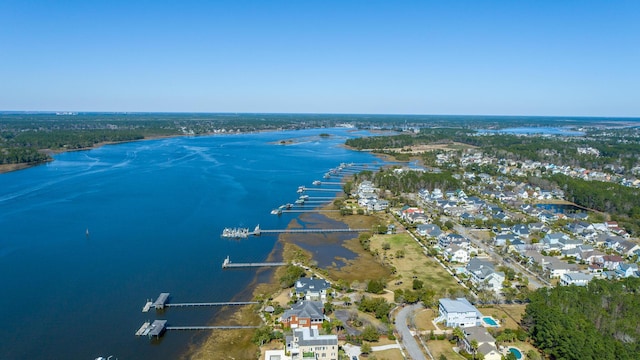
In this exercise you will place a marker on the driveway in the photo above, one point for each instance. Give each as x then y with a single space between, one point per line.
410 344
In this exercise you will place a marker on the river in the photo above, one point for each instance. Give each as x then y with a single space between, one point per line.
154 211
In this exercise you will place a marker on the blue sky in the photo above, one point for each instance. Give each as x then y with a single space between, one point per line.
403 57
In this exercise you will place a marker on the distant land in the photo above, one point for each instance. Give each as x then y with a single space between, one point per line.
30 138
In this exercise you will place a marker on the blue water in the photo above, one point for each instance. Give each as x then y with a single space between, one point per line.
516 352
488 320
155 211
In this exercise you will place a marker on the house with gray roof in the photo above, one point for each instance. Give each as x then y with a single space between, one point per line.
312 289
309 314
486 342
307 343
458 313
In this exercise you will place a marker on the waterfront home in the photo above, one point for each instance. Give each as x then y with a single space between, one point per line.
458 313
575 278
307 343
311 289
304 314
486 343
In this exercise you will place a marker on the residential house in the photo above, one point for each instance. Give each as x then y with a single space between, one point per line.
458 313
501 240
611 262
557 267
521 230
307 343
430 230
483 275
486 343
627 270
315 289
628 248
457 253
304 314
575 278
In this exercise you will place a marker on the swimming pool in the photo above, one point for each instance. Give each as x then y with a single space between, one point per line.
489 321
516 352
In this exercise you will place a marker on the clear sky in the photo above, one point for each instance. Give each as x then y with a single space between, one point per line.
556 57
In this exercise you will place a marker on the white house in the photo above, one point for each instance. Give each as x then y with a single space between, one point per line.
457 253
575 278
458 312
305 341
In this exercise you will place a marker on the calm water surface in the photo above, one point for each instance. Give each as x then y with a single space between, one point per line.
154 211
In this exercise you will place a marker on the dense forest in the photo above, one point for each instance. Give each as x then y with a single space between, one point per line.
599 321
617 152
410 181
622 202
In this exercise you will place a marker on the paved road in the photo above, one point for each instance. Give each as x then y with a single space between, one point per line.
410 344
533 280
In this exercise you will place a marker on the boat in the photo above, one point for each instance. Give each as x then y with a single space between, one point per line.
317 183
235 232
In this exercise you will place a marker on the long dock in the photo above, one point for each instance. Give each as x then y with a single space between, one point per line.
303 231
303 189
163 302
210 327
257 231
228 264
236 303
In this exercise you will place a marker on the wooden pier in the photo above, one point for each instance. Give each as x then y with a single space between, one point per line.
303 189
236 303
163 302
210 327
306 231
228 264
257 231
158 327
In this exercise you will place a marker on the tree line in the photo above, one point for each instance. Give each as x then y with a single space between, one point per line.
599 321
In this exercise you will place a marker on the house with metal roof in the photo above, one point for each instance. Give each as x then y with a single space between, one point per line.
309 344
458 312
315 289
304 314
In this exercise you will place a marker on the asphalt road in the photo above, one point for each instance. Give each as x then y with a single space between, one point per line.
534 282
410 344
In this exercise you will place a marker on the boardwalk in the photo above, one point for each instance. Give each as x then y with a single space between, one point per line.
228 264
209 327
236 303
257 231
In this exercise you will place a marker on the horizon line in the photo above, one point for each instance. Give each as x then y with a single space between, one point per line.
76 112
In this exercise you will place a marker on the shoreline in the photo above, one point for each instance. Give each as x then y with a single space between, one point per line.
227 344
7 168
